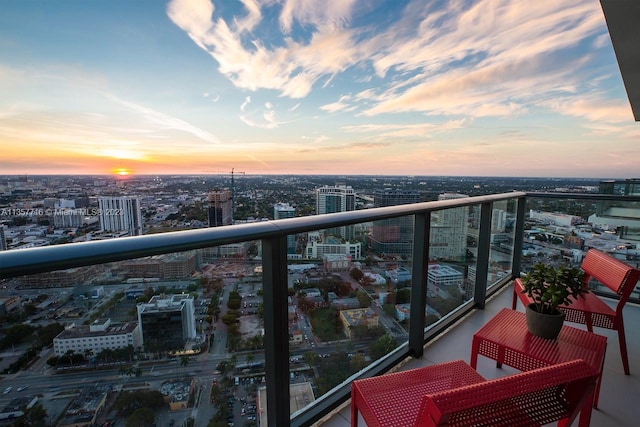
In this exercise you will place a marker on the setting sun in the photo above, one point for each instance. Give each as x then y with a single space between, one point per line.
123 172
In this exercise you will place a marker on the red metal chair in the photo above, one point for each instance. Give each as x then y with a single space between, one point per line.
454 394
591 310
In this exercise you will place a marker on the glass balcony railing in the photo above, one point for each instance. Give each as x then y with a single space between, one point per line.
560 229
275 319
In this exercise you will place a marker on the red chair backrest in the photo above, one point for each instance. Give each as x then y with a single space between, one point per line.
613 273
534 397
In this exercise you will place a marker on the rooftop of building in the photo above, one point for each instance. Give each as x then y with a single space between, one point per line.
164 302
82 331
357 315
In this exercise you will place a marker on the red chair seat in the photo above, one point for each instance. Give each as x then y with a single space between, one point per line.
591 305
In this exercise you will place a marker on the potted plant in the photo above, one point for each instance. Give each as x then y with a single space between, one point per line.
550 287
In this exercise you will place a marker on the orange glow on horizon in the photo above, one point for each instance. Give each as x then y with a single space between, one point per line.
122 172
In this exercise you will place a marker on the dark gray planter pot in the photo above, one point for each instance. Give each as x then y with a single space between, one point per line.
544 325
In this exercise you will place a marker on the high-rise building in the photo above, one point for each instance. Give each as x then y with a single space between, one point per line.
333 199
220 211
281 211
448 239
66 217
167 322
121 213
393 236
498 220
3 239
337 198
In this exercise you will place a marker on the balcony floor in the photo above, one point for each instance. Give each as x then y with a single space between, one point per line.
619 392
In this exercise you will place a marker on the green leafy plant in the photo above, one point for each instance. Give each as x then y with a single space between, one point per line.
550 287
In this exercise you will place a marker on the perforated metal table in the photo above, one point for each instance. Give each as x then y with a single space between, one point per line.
506 340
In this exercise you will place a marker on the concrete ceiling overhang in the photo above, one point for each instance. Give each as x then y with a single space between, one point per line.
623 21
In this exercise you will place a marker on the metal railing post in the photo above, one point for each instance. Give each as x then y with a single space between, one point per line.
276 336
482 260
422 229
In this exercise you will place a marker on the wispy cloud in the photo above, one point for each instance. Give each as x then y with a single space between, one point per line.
487 58
166 121
496 58
316 139
325 15
364 145
291 67
257 160
214 97
406 130
594 107
253 16
246 103
262 119
340 105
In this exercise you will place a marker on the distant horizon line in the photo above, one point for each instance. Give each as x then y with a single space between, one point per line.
125 177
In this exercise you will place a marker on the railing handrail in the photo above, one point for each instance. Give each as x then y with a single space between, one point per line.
584 196
43 259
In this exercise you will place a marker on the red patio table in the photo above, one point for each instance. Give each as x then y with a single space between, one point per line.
505 339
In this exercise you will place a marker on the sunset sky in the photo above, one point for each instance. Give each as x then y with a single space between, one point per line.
395 87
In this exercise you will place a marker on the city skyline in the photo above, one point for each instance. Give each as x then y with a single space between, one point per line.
470 88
